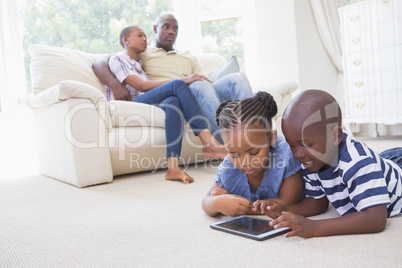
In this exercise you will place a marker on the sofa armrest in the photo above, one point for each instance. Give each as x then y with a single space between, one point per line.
72 141
62 91
66 90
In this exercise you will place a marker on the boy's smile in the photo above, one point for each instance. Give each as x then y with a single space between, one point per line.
312 145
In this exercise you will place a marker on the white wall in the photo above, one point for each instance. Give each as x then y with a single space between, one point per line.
316 69
288 46
273 46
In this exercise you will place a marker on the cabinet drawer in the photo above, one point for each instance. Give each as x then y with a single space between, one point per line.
360 106
371 32
356 84
380 59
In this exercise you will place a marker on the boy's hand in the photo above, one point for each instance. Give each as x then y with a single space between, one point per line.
218 191
271 208
300 225
233 205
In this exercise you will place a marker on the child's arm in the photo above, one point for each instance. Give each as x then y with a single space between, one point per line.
217 190
228 204
309 206
289 193
370 220
291 189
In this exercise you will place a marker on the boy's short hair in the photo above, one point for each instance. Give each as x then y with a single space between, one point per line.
311 102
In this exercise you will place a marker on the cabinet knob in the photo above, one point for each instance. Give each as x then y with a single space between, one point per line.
360 105
357 62
354 18
358 83
356 40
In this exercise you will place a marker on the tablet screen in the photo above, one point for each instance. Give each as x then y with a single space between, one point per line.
251 227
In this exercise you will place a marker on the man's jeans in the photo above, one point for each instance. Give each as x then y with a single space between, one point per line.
208 96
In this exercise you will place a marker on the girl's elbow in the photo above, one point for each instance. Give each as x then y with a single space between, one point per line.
208 207
210 212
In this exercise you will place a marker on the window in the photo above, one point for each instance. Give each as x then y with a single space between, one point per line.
222 28
88 25
94 26
352 1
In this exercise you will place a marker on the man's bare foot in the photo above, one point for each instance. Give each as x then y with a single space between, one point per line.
176 174
212 148
214 152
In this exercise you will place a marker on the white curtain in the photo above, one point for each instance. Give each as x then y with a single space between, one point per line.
12 74
327 21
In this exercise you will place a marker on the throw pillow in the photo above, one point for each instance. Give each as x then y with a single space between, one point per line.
231 66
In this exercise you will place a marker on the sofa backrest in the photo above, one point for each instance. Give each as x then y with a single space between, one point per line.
51 65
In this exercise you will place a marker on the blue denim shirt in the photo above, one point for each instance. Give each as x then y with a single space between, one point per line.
282 165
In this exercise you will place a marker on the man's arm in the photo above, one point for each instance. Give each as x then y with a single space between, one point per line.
102 71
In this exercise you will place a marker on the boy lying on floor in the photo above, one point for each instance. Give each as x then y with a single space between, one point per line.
364 187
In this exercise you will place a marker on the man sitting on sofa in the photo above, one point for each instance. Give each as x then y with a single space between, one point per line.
164 62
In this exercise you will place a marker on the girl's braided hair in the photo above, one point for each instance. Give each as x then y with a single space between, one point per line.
261 108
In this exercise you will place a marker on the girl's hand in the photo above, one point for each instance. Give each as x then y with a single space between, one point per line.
218 191
257 205
194 77
233 205
300 225
271 208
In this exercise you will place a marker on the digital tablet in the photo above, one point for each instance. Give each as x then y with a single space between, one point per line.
250 227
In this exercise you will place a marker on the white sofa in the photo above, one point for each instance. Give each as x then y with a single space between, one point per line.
84 140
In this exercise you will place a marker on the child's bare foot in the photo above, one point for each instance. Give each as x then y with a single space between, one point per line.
176 174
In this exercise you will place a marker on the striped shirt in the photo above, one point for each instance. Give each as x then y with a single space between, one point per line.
359 179
122 66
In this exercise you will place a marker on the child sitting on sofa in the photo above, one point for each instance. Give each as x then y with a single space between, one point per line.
364 187
259 164
173 96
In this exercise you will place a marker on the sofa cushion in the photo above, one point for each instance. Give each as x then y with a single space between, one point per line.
210 62
50 65
231 66
134 114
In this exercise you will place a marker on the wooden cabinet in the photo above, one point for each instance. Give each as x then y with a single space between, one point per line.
371 33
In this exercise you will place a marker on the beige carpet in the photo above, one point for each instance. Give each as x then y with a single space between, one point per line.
144 221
